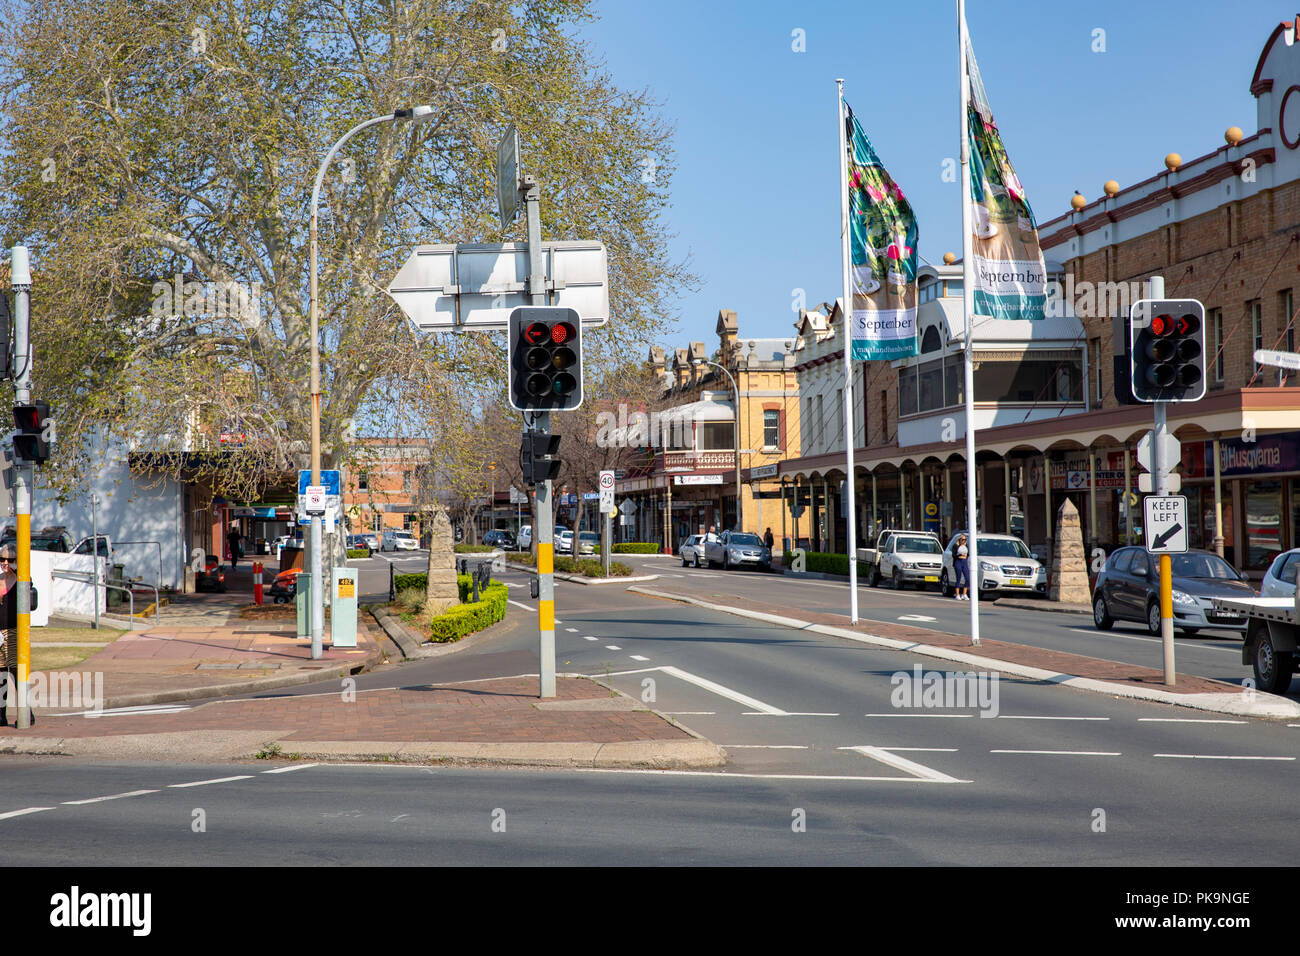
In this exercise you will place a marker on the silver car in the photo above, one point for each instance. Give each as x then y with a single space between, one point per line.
736 549
691 550
1279 579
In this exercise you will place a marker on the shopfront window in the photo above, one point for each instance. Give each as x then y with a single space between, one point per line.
1028 379
1263 523
907 390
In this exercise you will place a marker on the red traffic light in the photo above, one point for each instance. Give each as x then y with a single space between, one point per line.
536 333
1188 325
562 332
1162 324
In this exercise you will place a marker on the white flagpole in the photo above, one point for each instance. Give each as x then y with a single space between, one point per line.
850 520
968 300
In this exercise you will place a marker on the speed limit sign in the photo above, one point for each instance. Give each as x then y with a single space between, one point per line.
606 492
606 481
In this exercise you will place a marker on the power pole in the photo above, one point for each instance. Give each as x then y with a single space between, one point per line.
24 474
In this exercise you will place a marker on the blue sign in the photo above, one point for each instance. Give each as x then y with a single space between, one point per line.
329 479
590 495
931 516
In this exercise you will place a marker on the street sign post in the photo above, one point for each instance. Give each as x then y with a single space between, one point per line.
1289 360
606 492
1166 524
607 513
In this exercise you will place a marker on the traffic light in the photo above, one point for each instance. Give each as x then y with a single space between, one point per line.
545 346
536 457
1167 339
32 440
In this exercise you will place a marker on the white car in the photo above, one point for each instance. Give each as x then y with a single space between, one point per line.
1279 579
399 541
691 550
1006 564
524 539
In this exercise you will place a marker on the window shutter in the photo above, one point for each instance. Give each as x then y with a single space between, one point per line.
781 420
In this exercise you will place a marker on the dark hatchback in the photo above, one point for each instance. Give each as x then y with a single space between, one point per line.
500 539
1128 589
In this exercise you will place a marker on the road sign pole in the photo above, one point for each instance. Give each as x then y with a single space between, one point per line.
24 478
1160 469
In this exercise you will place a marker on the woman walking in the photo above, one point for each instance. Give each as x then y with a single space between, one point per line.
959 567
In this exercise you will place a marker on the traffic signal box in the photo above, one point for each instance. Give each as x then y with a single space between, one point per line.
31 441
545 345
1167 349
536 459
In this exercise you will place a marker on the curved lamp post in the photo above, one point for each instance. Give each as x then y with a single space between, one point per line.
736 390
418 114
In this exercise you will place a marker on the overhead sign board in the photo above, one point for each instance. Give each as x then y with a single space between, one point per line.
1166 524
474 285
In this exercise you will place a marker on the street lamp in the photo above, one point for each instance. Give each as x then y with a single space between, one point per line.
736 389
417 114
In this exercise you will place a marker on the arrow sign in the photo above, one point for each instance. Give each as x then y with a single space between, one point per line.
1163 537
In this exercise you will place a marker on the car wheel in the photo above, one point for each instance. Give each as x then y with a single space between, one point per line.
683 561
1272 667
898 580
875 577
944 587
280 599
1153 618
1101 615
726 562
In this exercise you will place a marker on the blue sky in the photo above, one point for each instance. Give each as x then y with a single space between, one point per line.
755 196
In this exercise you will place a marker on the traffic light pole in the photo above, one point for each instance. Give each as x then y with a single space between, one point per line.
540 422
24 473
1160 485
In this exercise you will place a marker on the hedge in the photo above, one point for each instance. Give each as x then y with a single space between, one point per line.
358 553
401 581
587 567
637 547
473 548
822 562
464 619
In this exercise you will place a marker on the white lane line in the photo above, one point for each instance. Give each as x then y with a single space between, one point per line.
922 750
909 715
290 769
588 637
721 691
1194 720
1030 717
916 617
1062 753
765 746
572 630
638 657
918 771
116 796
204 783
19 813
135 713
685 713
760 713
1156 640
1217 757
612 647
756 776
1293 725
517 604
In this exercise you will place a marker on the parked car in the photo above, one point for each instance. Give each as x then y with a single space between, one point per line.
358 542
499 538
1128 589
737 549
881 566
398 541
691 550
588 542
47 539
1006 564
372 539
562 539
1279 579
525 539
908 557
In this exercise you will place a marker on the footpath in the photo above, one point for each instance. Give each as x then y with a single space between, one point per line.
149 695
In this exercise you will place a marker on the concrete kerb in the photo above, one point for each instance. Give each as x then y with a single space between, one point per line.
1237 704
409 642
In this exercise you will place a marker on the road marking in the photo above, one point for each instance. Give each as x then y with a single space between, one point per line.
922 750
588 637
517 604
1156 640
916 770
612 647
1061 753
511 584
134 713
638 657
689 713
19 813
204 783
717 775
116 796
906 715
765 746
916 617
1194 720
300 766
722 691
1031 717
1216 757
761 713
572 630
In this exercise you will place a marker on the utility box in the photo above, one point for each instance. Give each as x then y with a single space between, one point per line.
343 610
302 600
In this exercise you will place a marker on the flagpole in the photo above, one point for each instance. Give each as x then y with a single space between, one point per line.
968 351
850 520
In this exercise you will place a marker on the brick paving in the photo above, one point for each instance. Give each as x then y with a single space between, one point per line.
494 711
1062 662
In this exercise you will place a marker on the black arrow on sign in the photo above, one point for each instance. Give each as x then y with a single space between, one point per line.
1165 535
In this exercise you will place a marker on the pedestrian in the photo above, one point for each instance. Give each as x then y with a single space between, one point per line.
233 539
713 533
959 567
9 624
768 539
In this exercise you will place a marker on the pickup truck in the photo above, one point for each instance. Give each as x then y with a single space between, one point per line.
1272 632
904 557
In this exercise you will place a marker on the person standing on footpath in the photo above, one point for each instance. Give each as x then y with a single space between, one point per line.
233 539
961 588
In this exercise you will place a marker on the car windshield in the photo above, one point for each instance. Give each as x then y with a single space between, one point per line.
1203 566
1003 548
589 536
918 545
749 540
401 534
